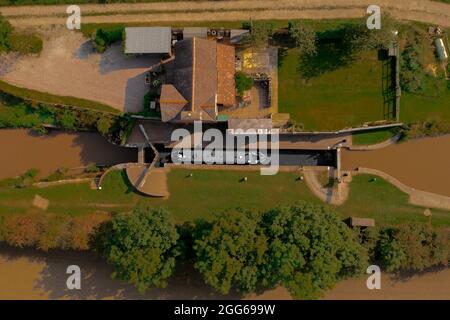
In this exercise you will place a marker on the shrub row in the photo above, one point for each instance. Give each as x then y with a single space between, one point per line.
19 113
413 247
428 128
49 231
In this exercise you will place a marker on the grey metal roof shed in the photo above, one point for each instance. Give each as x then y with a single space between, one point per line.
148 39
199 32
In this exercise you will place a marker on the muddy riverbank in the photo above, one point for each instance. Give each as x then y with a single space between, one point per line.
422 164
32 274
22 149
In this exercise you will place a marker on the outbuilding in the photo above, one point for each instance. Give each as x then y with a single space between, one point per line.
139 40
440 49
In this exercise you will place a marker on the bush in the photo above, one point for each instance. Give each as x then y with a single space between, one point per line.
428 128
57 175
5 35
106 36
103 125
26 43
141 246
412 247
243 83
92 168
67 120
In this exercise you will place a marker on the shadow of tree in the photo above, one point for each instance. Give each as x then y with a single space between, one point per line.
85 49
94 148
114 59
330 56
135 91
96 281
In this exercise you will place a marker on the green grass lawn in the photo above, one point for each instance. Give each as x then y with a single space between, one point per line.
372 137
336 95
207 192
419 108
385 203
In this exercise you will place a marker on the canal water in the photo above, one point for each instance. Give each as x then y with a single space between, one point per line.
423 164
22 149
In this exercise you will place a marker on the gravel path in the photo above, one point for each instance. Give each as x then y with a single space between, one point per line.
419 10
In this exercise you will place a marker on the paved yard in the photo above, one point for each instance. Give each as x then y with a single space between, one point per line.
68 66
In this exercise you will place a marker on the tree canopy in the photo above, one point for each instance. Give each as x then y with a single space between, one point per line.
412 247
361 38
305 248
230 251
304 36
260 33
141 246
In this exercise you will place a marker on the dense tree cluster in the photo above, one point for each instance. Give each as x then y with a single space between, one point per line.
305 248
142 247
413 247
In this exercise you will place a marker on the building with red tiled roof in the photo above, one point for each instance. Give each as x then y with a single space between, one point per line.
199 80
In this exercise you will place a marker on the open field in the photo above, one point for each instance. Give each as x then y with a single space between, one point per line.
333 95
424 10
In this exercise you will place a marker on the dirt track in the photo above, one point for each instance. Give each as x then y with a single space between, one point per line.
419 10
68 66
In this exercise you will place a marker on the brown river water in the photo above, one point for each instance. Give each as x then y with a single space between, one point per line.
22 149
423 164
31 274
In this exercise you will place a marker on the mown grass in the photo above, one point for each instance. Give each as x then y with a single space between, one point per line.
212 191
332 95
29 94
373 197
372 137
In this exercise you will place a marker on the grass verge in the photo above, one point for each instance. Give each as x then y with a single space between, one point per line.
37 96
372 137
211 191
